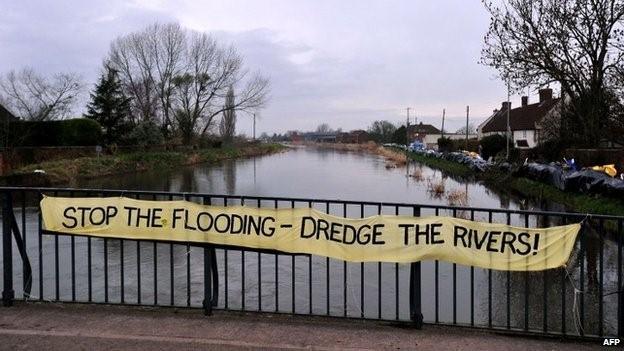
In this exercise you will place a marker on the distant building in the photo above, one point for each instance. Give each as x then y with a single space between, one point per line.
429 135
353 137
527 122
320 137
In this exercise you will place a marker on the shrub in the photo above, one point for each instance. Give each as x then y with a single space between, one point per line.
492 145
446 145
145 133
549 150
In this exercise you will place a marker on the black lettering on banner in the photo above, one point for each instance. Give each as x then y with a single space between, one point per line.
492 241
366 235
523 239
424 233
208 218
155 223
508 240
98 212
70 217
236 226
186 221
322 227
111 211
377 233
346 238
436 231
460 234
335 232
253 224
130 210
302 232
225 228
478 243
268 230
406 228
176 217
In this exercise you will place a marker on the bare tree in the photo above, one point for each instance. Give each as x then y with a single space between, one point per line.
471 129
182 77
323 128
34 97
227 127
574 43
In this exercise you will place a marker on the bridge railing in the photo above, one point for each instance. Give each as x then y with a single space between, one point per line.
584 299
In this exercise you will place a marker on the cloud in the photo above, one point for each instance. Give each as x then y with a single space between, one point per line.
346 63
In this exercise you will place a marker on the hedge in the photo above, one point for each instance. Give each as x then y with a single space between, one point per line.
70 132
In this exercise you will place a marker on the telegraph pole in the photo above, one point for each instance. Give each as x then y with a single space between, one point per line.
443 114
254 126
407 143
467 118
407 128
507 131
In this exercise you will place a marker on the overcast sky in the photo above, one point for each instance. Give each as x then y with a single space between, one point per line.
346 63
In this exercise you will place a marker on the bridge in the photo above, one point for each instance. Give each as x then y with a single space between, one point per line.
41 269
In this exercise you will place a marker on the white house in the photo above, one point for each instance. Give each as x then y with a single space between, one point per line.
429 135
524 121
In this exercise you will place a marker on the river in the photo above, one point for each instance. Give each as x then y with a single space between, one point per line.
308 172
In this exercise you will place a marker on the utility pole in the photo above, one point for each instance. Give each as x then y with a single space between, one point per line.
507 131
407 143
407 128
443 115
467 118
254 126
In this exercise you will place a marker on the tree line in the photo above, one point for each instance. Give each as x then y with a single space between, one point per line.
161 83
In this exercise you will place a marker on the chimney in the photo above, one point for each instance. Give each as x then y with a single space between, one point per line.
525 101
505 105
545 94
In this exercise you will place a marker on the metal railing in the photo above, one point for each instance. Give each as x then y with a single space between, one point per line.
584 299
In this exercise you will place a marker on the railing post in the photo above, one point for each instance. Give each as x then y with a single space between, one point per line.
207 303
7 250
415 293
415 296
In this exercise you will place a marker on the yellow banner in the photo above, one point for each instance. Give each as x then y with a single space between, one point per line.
382 238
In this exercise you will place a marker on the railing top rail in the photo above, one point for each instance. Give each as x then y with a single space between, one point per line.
121 192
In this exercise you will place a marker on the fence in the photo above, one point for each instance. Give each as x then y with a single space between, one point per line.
582 300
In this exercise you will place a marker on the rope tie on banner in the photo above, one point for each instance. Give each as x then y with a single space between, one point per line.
575 304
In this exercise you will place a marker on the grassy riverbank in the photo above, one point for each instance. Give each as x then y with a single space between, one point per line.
529 188
70 170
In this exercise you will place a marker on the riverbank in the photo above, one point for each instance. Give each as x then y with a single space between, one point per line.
497 179
527 187
70 170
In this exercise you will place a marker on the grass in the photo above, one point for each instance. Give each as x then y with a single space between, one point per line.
417 174
457 197
68 170
437 187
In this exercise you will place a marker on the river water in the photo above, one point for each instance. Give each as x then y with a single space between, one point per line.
287 284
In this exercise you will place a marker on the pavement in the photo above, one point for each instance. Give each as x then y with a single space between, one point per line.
55 326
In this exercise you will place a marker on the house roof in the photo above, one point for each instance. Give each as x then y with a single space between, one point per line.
424 129
520 118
